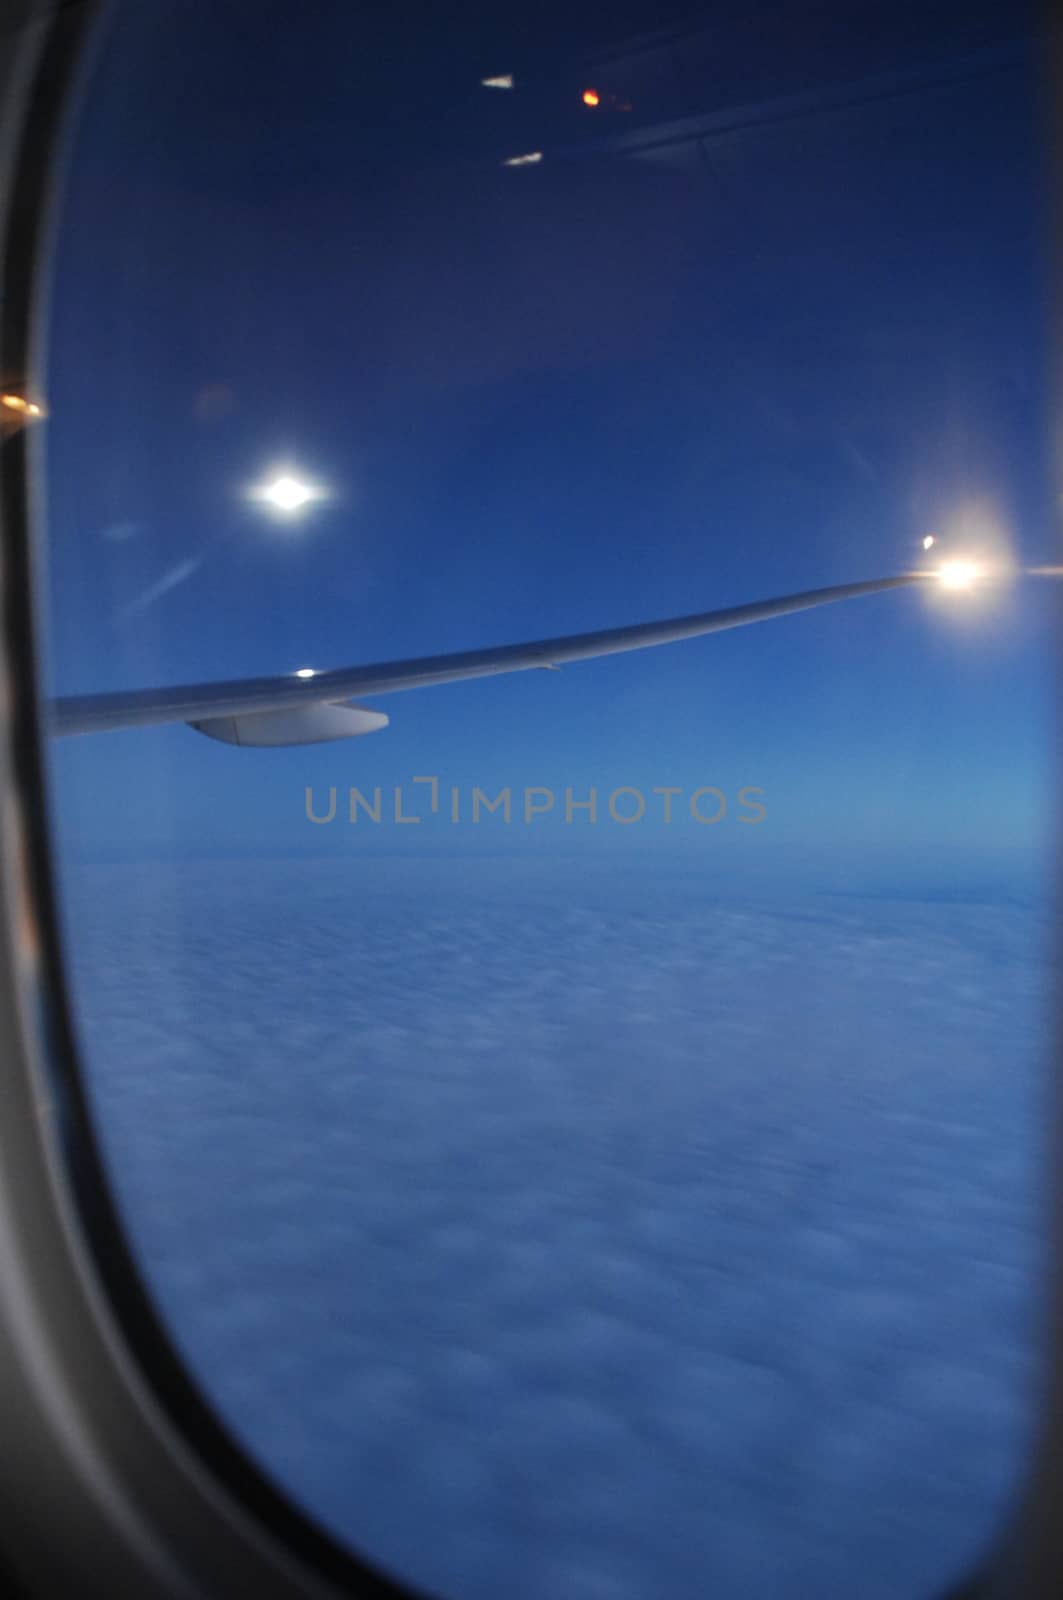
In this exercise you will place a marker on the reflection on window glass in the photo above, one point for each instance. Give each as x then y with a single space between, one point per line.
581 1133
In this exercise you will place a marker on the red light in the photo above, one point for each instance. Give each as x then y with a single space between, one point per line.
591 97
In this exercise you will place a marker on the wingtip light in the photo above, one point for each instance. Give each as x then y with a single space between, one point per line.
959 574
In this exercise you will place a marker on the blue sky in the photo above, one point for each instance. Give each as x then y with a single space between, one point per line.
599 390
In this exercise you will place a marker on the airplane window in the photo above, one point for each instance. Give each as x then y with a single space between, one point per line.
548 585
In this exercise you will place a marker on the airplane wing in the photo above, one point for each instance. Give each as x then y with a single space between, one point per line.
294 709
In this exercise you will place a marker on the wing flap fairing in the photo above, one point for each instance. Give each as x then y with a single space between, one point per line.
314 724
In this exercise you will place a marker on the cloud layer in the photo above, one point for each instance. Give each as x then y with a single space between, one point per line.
586 1234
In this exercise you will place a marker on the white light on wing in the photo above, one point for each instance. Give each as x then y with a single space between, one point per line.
305 672
959 574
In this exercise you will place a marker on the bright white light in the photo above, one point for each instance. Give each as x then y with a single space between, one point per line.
305 672
959 574
286 494
503 81
524 161
928 542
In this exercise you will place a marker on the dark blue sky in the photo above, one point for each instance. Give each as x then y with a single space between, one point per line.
624 383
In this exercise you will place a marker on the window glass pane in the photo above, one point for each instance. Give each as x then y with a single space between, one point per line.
583 1136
